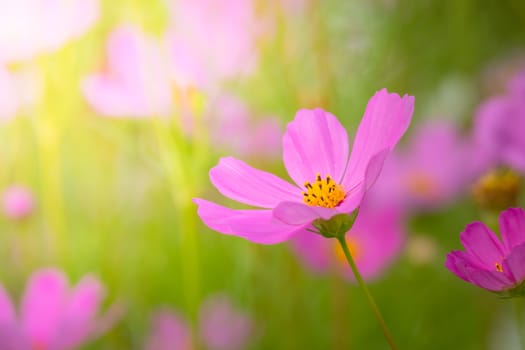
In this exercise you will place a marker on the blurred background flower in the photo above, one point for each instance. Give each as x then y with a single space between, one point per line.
113 112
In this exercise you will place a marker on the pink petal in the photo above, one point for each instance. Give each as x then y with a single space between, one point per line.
313 250
294 213
7 312
512 227
386 119
482 245
490 280
168 332
259 226
79 313
222 327
43 306
134 83
238 181
315 142
379 237
12 338
456 262
515 263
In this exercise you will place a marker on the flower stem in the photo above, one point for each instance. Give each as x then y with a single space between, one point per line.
363 286
518 313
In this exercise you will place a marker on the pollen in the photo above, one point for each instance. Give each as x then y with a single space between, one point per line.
498 267
323 192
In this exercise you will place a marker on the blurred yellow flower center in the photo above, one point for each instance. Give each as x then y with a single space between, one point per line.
353 246
422 184
498 266
497 190
323 192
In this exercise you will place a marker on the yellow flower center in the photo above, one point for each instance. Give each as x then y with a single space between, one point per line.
498 266
323 193
422 185
497 190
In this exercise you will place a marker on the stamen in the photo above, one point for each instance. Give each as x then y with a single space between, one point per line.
323 193
498 266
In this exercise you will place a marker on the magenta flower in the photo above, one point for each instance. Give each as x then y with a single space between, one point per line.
436 166
375 240
497 127
498 266
211 41
17 202
221 327
316 155
51 317
233 128
135 81
31 27
168 332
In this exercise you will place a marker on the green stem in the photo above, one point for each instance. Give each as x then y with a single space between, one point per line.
363 286
518 313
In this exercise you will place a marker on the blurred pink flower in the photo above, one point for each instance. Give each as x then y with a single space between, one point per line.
436 166
316 155
9 101
17 202
234 129
375 241
489 263
498 125
135 81
212 40
221 327
31 27
168 332
51 316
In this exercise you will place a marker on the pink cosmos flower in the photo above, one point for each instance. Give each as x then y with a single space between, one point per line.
31 27
212 40
168 332
9 101
51 316
435 167
498 266
498 125
375 240
316 155
234 129
221 327
17 202
135 81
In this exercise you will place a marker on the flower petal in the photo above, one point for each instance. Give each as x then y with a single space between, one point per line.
168 332
386 119
456 262
512 227
222 326
293 213
313 250
79 314
482 245
239 181
315 142
7 311
490 280
515 263
259 226
43 306
12 338
355 195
